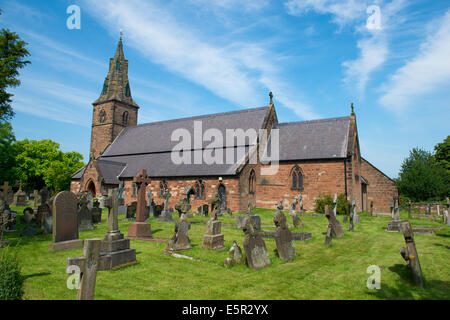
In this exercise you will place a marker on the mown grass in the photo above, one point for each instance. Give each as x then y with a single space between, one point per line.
318 272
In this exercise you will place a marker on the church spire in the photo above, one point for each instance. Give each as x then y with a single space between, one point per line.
116 85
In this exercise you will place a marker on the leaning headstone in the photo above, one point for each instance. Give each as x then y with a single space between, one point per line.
336 229
183 206
283 238
65 222
240 220
88 267
328 237
236 256
395 223
180 239
213 238
254 246
84 215
140 229
409 253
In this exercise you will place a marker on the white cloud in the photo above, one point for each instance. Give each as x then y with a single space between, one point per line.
233 72
429 70
246 5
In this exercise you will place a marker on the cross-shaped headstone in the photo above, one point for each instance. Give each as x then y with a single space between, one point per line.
112 203
396 210
167 195
141 180
88 266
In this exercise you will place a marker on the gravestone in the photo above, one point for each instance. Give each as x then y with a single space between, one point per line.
180 239
166 215
392 207
371 209
328 237
28 218
213 238
301 211
96 212
295 216
236 256
140 229
409 253
283 237
395 223
158 210
355 214
240 220
151 204
131 211
35 199
183 206
335 204
115 249
351 218
65 222
203 210
44 193
214 202
84 215
428 208
20 199
336 229
254 246
88 266
101 201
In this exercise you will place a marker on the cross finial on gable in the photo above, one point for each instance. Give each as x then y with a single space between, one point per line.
353 109
271 97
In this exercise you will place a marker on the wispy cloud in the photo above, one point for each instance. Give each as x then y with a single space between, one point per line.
234 74
426 72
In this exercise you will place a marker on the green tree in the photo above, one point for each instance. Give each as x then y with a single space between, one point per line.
12 55
422 178
442 153
7 156
39 162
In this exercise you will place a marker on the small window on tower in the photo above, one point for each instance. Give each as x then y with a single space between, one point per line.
127 90
125 117
105 88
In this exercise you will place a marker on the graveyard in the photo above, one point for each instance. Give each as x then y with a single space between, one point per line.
330 272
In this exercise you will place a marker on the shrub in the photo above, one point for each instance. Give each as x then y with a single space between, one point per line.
11 279
321 202
342 204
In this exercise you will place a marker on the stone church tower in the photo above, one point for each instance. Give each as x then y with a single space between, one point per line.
115 108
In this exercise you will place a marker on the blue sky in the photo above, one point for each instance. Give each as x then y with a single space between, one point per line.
193 57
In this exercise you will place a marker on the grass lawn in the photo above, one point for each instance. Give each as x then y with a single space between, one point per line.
318 272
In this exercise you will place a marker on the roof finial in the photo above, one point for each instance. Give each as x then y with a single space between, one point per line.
353 110
121 34
271 97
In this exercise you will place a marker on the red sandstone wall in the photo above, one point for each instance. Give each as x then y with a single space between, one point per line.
319 178
380 188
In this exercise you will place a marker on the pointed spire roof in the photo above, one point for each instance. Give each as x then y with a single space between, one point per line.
116 85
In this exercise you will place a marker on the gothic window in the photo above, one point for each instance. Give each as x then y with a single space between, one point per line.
297 179
127 90
200 190
251 182
125 117
117 64
162 188
102 116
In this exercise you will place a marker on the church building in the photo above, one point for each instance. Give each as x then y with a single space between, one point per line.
316 158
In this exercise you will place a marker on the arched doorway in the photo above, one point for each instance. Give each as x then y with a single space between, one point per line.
91 188
222 194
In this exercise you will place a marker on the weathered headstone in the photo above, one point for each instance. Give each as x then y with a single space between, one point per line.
371 209
84 215
183 206
409 253
96 213
336 229
20 199
213 238
44 193
236 256
351 226
283 237
180 240
28 217
428 208
355 214
166 215
301 211
65 222
140 229
335 204
254 246
395 223
131 211
88 267
328 237
151 203
203 210
240 220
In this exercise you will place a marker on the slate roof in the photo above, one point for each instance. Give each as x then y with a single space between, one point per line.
317 139
148 146
77 175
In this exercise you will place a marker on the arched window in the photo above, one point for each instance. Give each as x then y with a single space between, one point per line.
297 179
162 188
251 182
200 190
125 117
102 116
